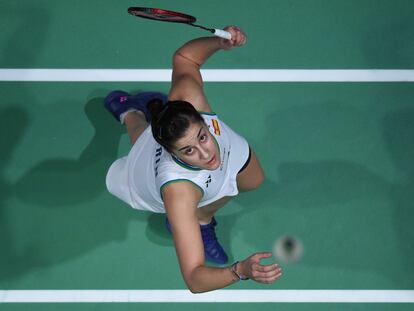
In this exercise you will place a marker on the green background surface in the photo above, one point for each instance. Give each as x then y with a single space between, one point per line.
282 34
338 156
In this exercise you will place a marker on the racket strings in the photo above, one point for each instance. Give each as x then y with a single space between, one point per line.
167 16
161 15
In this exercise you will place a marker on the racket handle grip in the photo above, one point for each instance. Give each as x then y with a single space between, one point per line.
222 34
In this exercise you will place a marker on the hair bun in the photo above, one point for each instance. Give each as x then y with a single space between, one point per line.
155 106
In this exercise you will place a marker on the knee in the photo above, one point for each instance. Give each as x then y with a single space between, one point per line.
259 180
252 183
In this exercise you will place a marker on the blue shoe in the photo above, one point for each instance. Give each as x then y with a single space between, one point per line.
213 251
115 103
118 102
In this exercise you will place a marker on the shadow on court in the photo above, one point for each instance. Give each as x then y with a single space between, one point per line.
348 216
30 30
398 133
60 218
64 182
11 132
342 210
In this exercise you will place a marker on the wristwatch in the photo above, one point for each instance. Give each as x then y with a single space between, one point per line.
234 270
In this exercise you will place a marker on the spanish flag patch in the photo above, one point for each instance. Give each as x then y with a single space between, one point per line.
216 127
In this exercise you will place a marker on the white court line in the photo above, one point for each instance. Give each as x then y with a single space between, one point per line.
212 75
170 296
209 75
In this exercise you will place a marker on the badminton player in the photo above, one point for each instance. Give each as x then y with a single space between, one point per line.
187 163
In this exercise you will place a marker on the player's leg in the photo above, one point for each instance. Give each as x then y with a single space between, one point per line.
249 178
132 110
135 124
206 213
213 251
252 176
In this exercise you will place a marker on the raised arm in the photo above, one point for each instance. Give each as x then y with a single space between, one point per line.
187 83
180 200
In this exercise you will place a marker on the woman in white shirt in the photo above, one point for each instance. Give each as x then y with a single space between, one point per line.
188 164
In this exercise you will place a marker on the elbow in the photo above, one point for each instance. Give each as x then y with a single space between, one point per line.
181 57
194 288
194 285
176 56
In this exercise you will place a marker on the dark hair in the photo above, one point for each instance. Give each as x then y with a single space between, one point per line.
171 121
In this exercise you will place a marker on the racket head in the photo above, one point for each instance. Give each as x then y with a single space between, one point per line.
162 15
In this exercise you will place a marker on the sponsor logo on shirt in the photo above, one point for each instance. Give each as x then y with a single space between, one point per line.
208 181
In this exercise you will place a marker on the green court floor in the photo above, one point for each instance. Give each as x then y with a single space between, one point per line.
338 157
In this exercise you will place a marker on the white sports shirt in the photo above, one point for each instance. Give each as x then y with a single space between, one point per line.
138 178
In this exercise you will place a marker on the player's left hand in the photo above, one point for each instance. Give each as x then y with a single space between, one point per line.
254 270
238 38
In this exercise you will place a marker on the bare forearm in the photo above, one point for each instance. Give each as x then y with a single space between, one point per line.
199 50
204 279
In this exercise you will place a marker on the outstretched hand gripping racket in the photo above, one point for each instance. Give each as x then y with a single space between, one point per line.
174 17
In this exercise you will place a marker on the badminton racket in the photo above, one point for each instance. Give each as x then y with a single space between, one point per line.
174 17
